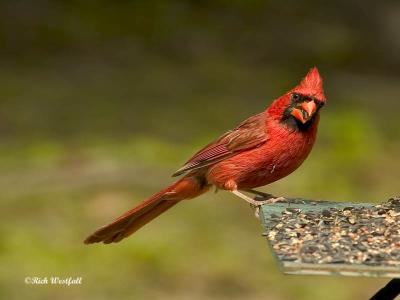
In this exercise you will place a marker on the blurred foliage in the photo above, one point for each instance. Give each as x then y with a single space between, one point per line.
101 101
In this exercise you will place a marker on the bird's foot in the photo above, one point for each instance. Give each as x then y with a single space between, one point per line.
245 197
254 203
270 200
258 204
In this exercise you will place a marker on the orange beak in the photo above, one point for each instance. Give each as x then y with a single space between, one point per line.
305 111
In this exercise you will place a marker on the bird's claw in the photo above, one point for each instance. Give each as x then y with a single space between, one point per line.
254 203
256 210
258 203
271 200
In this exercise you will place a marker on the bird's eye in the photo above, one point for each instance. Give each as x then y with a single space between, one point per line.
296 97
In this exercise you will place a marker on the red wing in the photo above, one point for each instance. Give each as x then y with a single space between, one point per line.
249 134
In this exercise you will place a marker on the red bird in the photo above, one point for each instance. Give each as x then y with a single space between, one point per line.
262 149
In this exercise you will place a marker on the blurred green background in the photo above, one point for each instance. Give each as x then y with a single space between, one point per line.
101 101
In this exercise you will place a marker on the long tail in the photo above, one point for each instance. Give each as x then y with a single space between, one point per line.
137 217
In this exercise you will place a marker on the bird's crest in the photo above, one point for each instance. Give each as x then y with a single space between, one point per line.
311 85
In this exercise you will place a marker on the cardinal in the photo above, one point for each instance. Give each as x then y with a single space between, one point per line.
262 149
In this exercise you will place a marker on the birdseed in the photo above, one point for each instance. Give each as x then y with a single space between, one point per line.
351 235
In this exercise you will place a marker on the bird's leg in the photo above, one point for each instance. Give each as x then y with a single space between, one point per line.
255 203
265 198
246 198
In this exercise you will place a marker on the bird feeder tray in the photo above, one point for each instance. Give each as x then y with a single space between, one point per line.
334 238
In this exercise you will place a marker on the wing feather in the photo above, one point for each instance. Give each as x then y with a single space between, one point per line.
249 134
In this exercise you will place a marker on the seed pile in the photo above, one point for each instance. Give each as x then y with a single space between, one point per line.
349 235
